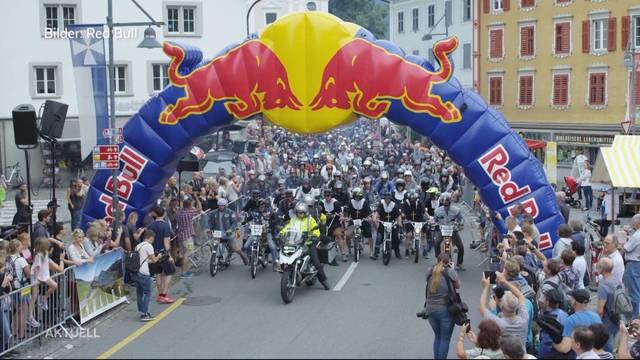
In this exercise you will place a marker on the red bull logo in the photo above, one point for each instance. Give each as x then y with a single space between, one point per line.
260 84
365 77
494 164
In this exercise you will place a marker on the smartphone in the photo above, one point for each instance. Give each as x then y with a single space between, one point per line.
468 325
491 275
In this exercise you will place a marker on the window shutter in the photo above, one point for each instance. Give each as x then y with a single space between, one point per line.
524 41
611 36
637 88
565 38
485 6
522 91
626 25
506 5
585 36
499 91
556 90
499 43
564 95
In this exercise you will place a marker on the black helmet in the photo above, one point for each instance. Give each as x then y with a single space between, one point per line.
255 193
328 191
413 195
400 182
425 181
338 185
261 202
386 193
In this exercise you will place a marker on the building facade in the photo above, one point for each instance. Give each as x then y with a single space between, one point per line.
40 67
555 69
411 20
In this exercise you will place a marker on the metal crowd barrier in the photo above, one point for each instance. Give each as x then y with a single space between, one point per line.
200 225
19 305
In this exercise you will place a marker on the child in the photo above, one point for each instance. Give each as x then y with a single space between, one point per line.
40 271
20 271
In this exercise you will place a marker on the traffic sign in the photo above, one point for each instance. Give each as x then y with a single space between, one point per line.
626 126
106 157
107 133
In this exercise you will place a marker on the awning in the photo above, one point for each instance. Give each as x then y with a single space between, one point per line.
535 144
619 164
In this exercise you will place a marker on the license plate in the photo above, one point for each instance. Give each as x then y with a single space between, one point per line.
357 222
217 234
256 230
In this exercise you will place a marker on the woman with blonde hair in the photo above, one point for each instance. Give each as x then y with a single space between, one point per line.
40 271
134 232
92 244
437 302
77 253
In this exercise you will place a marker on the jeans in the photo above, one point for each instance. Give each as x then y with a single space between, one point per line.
143 291
442 326
613 331
272 247
632 281
76 217
588 196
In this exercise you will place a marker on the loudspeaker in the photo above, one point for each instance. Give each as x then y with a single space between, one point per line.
188 165
53 118
238 146
25 132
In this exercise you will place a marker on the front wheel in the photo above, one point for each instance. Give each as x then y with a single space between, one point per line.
356 249
214 263
287 286
416 249
386 253
254 264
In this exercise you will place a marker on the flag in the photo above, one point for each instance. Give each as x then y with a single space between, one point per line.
90 73
197 152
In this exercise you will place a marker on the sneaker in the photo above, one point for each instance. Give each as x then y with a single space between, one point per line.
146 317
460 267
43 303
169 300
585 209
325 284
276 267
160 299
373 257
186 275
406 253
33 322
425 256
345 258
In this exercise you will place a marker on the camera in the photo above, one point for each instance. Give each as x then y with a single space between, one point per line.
422 314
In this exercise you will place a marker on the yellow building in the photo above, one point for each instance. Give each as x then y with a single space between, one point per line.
555 68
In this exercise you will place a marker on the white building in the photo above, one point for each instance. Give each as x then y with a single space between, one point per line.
410 20
35 68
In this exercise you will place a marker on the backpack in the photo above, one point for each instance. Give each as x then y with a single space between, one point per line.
132 261
621 306
562 287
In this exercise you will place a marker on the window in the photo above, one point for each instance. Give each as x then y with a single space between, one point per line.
496 5
432 57
466 56
45 78
597 88
56 15
635 89
120 79
525 93
270 17
562 1
159 77
400 22
467 10
182 20
431 16
560 90
495 44
562 38
527 41
636 31
414 17
495 90
527 3
599 34
448 13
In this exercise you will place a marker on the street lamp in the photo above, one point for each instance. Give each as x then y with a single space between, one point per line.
630 63
149 42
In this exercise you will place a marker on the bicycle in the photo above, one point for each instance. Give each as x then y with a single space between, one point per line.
14 175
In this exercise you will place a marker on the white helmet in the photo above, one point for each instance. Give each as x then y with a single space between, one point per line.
301 207
308 200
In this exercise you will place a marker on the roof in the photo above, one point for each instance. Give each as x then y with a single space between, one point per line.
620 163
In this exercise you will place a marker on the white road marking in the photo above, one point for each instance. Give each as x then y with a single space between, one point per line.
346 276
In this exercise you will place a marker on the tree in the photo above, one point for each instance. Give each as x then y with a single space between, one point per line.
373 15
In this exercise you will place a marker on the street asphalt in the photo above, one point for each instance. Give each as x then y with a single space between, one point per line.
233 316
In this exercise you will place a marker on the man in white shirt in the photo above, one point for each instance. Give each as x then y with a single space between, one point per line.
580 263
632 270
143 276
582 343
610 250
578 169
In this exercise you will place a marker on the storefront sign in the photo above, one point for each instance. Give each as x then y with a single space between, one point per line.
577 139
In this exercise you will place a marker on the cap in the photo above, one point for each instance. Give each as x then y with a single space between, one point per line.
580 295
554 296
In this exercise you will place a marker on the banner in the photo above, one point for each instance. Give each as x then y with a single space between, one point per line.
90 73
551 162
100 284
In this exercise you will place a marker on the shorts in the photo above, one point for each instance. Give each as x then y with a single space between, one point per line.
185 248
408 227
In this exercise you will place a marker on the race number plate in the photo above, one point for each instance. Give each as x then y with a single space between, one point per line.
217 234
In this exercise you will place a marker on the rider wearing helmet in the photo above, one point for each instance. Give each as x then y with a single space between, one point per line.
285 206
306 224
411 184
431 200
304 190
400 191
383 184
388 211
331 210
366 168
339 192
252 204
222 219
412 211
357 208
447 214
266 217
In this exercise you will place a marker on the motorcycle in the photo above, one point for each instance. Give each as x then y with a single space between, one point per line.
259 249
417 239
357 239
218 261
386 241
446 246
296 265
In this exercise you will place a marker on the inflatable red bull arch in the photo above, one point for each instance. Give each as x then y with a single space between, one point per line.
310 72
